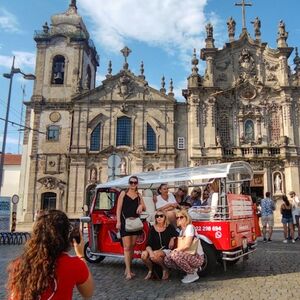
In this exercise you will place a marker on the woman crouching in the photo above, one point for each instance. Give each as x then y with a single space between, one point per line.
161 238
181 257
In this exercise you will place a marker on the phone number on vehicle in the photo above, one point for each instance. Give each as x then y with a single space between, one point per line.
208 228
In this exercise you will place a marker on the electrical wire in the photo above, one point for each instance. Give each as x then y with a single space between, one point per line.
25 127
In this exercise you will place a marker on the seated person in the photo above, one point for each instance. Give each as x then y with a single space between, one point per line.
166 201
149 203
161 238
181 196
195 198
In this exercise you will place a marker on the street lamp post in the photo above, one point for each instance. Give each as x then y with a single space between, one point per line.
9 76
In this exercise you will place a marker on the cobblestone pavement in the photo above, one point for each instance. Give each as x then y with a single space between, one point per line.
272 272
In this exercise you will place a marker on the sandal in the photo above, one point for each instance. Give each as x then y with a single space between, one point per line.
165 275
149 275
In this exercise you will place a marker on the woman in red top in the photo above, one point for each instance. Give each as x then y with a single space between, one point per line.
45 270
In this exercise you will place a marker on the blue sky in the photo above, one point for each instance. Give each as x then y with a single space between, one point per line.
162 33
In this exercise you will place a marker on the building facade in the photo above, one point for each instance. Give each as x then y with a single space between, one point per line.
244 107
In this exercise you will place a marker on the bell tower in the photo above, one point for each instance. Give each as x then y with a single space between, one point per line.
66 60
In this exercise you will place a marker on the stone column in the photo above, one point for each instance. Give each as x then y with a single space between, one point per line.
210 128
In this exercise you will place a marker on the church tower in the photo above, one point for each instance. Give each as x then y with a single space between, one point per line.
66 65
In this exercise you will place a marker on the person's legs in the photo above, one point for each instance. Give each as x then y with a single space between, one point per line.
132 245
159 256
127 255
145 258
298 226
285 231
264 227
271 225
291 226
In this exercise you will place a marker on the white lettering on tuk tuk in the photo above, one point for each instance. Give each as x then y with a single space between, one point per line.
208 228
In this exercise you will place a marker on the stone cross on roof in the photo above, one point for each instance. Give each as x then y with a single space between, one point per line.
125 51
243 5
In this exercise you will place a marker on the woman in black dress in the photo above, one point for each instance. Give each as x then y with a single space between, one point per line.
161 238
130 204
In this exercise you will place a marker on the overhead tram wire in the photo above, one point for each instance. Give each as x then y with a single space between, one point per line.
23 126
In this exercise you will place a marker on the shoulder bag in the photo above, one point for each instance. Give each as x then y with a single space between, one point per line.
193 247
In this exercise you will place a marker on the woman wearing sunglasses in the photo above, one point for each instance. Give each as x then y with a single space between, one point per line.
161 238
179 258
130 205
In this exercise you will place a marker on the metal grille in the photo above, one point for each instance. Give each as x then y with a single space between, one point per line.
123 131
151 138
95 139
275 127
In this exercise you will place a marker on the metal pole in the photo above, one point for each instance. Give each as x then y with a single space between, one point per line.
6 123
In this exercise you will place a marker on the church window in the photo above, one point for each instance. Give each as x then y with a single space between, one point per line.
275 127
223 129
123 131
181 143
53 133
58 70
48 201
95 138
249 130
151 139
88 78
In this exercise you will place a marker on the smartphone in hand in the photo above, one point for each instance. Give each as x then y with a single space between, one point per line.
75 232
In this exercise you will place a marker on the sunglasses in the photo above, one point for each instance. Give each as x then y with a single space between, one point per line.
133 182
159 216
180 217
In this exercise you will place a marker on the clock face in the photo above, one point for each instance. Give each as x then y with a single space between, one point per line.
15 199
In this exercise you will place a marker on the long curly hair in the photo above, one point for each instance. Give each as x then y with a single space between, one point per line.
30 274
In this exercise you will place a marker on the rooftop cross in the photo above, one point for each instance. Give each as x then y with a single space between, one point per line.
243 4
125 51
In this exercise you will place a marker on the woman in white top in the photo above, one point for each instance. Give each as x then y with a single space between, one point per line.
180 258
166 202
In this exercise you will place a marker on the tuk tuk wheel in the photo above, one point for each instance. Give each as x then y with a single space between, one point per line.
91 258
210 259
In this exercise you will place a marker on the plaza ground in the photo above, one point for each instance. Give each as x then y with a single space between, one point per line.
272 272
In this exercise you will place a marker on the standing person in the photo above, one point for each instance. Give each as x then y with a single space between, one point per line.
267 217
179 258
296 211
45 270
161 238
166 201
287 218
130 205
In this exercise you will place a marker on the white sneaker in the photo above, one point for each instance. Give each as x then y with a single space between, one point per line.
293 241
284 241
189 278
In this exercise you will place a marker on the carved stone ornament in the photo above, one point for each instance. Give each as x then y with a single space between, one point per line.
248 93
55 116
246 63
52 183
125 86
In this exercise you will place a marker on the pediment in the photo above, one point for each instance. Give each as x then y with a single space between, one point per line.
124 86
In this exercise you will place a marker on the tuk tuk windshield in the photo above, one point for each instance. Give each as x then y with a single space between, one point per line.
105 200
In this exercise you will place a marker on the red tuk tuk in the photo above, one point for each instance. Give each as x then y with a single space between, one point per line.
226 230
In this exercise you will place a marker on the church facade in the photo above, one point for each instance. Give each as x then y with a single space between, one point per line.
244 107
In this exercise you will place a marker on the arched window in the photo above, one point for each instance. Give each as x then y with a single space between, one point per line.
48 201
88 78
223 129
123 131
95 138
249 131
53 133
151 139
58 70
275 127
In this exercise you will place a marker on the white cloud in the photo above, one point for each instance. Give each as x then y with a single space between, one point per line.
10 140
8 21
99 79
24 60
174 25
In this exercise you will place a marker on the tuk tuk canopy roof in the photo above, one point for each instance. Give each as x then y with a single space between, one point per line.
237 171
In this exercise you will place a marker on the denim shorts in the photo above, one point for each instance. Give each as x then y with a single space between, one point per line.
287 220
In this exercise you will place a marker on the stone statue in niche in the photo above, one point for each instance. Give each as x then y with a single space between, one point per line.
93 175
281 30
218 141
277 183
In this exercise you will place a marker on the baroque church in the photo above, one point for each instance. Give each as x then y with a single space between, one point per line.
244 107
